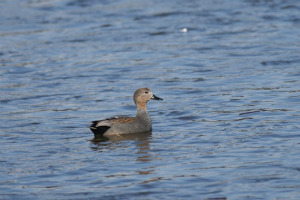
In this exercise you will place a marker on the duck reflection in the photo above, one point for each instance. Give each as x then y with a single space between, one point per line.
142 142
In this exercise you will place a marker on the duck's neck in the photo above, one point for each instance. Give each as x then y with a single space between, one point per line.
142 119
142 114
142 106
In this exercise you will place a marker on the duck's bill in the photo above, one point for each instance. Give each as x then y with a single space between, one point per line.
156 98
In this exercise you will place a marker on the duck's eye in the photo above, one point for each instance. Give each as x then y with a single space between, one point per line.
146 92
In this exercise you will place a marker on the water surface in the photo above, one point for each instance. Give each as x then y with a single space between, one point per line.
228 126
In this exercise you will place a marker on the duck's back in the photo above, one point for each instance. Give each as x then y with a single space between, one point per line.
101 127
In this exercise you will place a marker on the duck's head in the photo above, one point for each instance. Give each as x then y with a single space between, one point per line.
142 96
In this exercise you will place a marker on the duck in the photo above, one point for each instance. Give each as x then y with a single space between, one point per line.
119 125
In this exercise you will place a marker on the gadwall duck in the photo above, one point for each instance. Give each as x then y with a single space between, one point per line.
124 125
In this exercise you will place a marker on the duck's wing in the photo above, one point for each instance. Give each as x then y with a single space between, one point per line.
112 120
101 126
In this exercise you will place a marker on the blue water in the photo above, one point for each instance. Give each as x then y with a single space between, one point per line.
228 127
